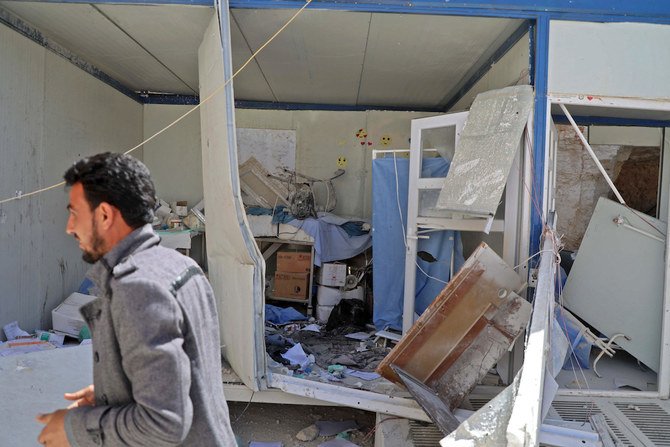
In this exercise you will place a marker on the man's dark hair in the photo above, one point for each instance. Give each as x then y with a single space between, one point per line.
118 179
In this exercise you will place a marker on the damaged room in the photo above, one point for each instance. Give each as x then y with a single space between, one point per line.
452 218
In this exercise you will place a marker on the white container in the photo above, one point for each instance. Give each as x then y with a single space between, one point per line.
66 317
323 312
56 339
333 275
330 296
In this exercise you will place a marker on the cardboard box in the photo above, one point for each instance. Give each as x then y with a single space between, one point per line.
180 208
294 261
333 275
291 285
66 317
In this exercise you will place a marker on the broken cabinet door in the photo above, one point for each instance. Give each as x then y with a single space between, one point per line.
236 267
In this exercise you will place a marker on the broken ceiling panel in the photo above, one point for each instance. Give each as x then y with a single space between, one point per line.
489 142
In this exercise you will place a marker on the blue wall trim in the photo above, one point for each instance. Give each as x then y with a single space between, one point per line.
539 130
486 65
36 36
164 98
610 121
329 107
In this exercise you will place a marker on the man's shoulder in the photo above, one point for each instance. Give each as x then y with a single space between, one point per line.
157 264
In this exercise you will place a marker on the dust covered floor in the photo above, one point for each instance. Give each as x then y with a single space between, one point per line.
281 422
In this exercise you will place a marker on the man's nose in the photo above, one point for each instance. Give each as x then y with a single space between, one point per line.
69 227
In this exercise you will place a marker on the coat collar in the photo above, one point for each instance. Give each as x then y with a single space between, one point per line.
139 240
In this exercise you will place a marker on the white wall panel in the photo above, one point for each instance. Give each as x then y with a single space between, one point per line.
21 169
174 157
236 267
52 113
609 59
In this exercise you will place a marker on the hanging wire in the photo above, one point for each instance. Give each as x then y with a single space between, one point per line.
218 90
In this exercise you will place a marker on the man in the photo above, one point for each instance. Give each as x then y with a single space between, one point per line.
157 366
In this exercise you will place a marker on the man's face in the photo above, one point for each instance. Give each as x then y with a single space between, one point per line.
82 225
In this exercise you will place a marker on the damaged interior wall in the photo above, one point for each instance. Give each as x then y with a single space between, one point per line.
633 167
52 113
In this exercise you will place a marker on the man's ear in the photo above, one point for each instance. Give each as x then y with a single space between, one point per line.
106 215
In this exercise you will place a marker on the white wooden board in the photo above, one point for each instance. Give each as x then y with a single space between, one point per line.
34 383
274 149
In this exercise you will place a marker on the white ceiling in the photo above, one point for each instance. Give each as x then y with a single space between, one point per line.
323 57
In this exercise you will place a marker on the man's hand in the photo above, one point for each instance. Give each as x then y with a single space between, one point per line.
53 434
83 397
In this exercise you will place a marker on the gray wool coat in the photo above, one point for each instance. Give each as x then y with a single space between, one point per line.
156 352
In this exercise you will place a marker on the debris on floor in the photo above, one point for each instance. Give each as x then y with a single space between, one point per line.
296 425
22 342
308 350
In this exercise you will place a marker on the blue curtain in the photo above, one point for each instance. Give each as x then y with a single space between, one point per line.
388 245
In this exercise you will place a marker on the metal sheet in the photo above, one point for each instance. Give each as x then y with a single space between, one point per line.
616 282
429 400
485 153
465 331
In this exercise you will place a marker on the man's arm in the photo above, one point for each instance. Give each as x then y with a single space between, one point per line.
149 327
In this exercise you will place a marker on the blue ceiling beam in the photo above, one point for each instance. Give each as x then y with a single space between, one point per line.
596 10
263 105
653 11
167 98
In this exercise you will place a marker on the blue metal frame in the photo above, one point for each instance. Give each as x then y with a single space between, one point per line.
650 11
539 129
262 105
160 98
